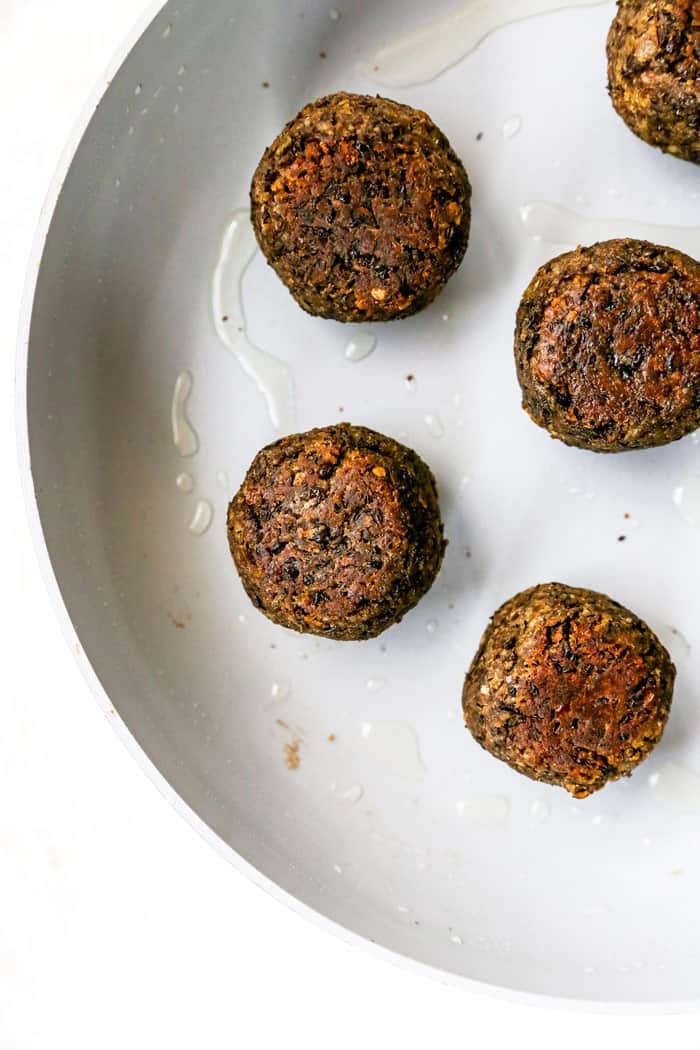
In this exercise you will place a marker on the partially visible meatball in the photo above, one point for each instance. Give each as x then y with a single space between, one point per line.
337 532
362 208
654 72
568 688
607 346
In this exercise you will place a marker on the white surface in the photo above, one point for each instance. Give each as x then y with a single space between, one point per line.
123 306
112 908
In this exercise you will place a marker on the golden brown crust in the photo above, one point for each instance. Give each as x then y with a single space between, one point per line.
607 346
362 208
336 532
654 72
568 687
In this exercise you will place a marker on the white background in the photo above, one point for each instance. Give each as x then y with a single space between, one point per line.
118 926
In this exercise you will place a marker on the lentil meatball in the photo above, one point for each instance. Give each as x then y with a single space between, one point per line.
362 208
337 532
607 346
654 72
568 688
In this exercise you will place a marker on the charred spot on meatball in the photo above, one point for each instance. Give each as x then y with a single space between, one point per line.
362 208
607 346
568 688
337 532
654 72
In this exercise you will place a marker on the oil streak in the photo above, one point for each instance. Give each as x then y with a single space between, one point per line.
430 50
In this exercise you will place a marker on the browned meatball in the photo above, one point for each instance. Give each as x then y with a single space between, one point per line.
654 72
337 532
568 687
362 208
607 346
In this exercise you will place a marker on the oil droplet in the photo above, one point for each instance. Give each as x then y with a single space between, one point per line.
353 794
677 788
166 32
202 517
540 811
676 643
604 820
686 498
375 685
455 938
559 225
395 745
512 126
403 909
337 869
280 690
484 810
185 482
428 51
222 479
334 14
360 346
181 71
431 627
184 437
138 89
271 376
434 425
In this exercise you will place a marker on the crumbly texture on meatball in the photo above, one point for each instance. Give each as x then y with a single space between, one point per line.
654 72
362 208
607 346
337 532
568 687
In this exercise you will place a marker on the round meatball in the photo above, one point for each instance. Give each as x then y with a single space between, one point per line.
654 72
337 532
568 687
607 346
362 208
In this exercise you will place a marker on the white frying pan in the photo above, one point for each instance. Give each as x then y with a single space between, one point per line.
339 775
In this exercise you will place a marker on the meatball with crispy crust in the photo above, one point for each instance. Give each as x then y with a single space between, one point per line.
568 688
362 208
654 72
607 346
337 532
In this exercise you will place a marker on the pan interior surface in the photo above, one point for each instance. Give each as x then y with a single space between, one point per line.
342 772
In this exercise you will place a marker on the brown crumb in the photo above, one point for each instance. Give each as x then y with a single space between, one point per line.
331 738
621 539
291 752
410 378
284 725
266 83
225 317
322 54
375 69
626 516
479 136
